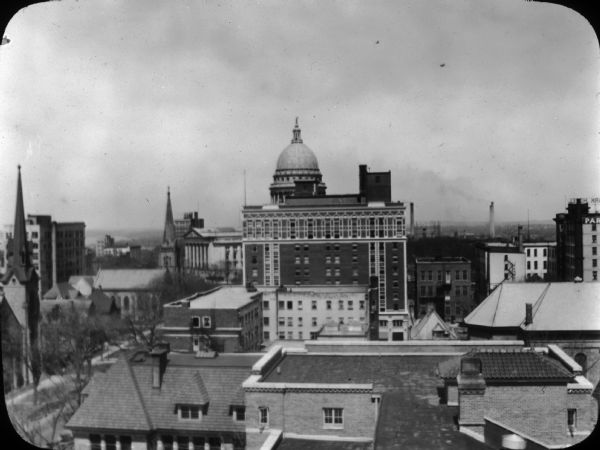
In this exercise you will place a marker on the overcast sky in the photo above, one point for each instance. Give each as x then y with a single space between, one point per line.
106 103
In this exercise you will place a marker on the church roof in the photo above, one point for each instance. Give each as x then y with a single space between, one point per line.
124 279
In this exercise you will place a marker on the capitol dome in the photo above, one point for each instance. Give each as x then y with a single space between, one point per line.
297 156
296 163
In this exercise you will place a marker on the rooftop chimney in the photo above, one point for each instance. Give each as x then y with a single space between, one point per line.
528 313
159 364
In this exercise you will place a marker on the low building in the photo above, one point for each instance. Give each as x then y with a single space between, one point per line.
539 395
566 314
431 326
226 319
298 313
160 400
369 400
131 289
444 282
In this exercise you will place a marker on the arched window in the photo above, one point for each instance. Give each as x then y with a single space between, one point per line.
126 303
581 359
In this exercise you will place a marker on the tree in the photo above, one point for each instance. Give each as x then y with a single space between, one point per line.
70 340
144 325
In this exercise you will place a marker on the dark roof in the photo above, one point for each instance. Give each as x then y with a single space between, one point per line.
124 398
519 365
303 444
385 371
413 419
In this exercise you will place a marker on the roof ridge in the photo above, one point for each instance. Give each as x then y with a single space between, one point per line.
499 289
138 393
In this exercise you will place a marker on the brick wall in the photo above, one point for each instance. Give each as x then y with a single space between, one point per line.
537 410
302 412
587 411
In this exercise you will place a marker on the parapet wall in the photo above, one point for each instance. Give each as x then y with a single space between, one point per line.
451 346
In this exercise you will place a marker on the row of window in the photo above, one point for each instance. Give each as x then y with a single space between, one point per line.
535 265
201 322
282 321
110 442
428 291
289 304
395 323
428 275
535 252
327 228
332 417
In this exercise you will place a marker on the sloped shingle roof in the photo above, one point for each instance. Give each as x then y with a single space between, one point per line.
124 398
520 365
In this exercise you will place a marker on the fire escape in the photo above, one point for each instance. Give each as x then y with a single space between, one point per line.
509 269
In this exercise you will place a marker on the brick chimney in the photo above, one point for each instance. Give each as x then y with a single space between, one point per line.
159 364
471 390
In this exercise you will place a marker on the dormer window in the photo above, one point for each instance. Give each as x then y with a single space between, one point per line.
189 412
239 413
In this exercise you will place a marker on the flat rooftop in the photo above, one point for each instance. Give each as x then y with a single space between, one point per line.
411 416
385 371
224 297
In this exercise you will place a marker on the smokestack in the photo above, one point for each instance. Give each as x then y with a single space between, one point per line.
528 313
412 219
492 231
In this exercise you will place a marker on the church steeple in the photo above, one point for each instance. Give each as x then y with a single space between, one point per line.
296 139
21 258
169 231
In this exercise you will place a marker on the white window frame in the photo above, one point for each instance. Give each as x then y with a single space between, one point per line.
199 321
333 418
265 410
206 320
180 413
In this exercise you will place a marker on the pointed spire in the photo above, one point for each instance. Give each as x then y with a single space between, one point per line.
20 248
296 139
169 232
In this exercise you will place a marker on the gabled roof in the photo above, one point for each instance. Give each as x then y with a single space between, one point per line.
126 279
16 303
117 405
565 306
124 398
426 325
505 306
518 365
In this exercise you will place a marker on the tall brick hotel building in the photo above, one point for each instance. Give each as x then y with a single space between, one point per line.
305 237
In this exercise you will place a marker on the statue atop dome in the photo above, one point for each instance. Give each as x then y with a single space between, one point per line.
297 173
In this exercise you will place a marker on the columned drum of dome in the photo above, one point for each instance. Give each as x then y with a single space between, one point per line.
297 171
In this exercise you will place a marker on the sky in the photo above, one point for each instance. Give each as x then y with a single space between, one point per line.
107 103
